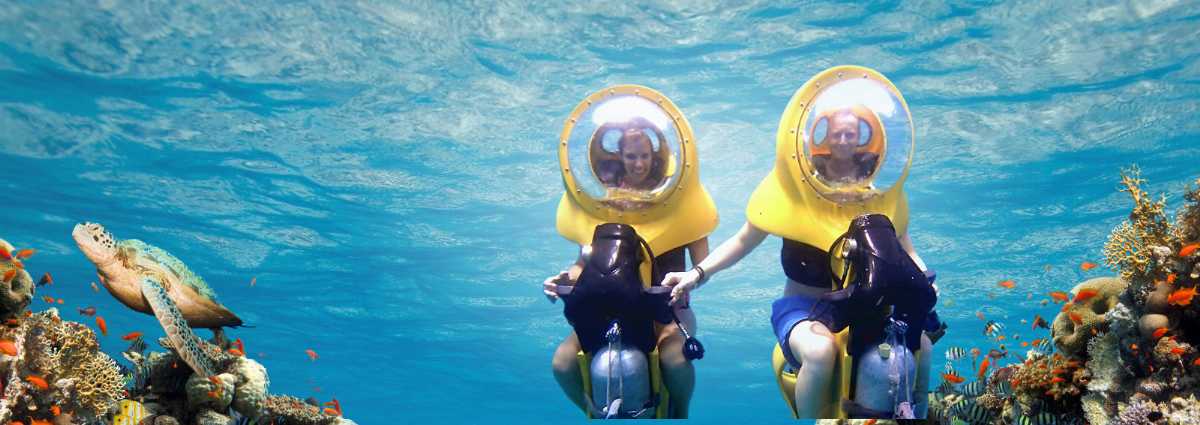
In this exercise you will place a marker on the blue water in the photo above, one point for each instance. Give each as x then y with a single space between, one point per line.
388 172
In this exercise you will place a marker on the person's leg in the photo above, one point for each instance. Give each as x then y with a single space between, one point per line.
566 370
812 344
921 390
679 374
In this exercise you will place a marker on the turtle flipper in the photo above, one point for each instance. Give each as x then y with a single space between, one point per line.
184 340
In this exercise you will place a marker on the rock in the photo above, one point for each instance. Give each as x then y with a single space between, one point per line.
250 395
209 417
1071 337
201 391
1152 322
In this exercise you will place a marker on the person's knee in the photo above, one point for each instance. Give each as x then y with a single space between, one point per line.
672 360
565 360
813 344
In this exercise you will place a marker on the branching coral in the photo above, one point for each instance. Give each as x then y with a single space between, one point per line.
1052 379
1129 246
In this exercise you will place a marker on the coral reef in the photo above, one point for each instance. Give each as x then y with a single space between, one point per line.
1082 319
66 367
1129 245
15 294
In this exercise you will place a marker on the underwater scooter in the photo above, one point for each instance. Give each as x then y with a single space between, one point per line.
613 314
886 300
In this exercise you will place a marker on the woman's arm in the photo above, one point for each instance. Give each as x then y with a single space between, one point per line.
565 277
727 254
906 243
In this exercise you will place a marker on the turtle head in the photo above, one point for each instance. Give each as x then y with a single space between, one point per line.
97 244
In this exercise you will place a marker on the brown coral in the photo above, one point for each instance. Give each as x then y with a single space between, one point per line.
1129 246
291 410
66 354
1054 379
15 294
1081 320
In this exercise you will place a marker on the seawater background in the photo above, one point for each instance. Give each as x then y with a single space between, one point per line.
388 171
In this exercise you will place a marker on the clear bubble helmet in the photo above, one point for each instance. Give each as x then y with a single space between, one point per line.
843 148
627 155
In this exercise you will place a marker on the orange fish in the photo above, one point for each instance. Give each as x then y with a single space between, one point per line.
132 336
60 301
1189 249
1182 297
11 322
1008 284
1024 344
1085 294
1057 379
983 367
253 279
237 352
8 347
102 325
312 355
48 299
46 279
952 378
330 412
1060 296
215 380
1158 333
979 314
1087 265
33 421
1171 278
1133 347
37 381
336 405
24 254
9 275
213 395
870 421
1075 317
5 255
95 288
55 410
1000 338
974 352
1196 362
1177 350
241 347
18 265
1039 322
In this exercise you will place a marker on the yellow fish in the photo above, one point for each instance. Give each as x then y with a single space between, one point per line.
131 413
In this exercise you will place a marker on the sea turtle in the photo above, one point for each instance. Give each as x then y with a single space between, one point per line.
152 281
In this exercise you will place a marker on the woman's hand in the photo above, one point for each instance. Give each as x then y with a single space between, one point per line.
681 284
550 285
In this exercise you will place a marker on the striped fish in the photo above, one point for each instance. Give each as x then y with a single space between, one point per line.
993 328
973 389
971 412
131 412
950 369
955 353
1003 388
1045 345
1043 418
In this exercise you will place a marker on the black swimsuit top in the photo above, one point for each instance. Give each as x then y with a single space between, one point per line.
667 262
806 264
